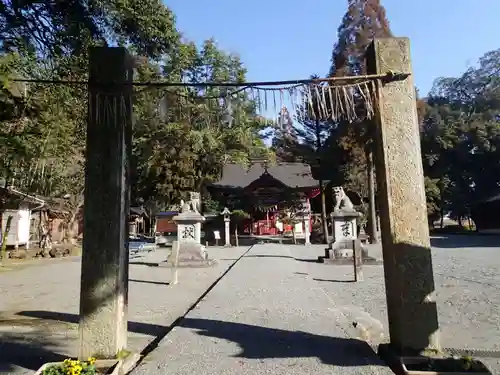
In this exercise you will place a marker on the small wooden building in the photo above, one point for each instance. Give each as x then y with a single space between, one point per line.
164 223
18 206
138 221
55 215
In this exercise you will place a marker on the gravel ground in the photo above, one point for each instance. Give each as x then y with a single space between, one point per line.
51 291
467 278
264 316
267 314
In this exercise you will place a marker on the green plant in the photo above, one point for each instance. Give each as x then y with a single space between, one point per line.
72 367
239 215
123 353
463 364
210 205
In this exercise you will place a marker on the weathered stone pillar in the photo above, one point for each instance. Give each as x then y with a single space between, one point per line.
409 281
104 278
227 221
307 227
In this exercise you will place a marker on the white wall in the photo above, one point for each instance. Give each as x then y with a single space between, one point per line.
23 226
19 233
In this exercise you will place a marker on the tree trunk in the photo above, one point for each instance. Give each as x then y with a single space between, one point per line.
323 210
441 219
69 232
321 183
294 236
5 234
371 196
45 233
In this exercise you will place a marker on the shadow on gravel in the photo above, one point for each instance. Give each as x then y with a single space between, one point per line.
148 282
26 350
334 281
141 328
283 257
261 343
149 264
457 241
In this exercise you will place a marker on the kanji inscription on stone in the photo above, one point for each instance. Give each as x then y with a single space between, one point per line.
346 229
188 232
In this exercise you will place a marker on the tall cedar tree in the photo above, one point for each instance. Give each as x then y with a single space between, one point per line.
364 21
285 140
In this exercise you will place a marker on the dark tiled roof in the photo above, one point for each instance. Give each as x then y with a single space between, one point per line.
139 211
166 213
290 174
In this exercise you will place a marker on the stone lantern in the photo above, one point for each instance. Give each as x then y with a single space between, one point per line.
227 220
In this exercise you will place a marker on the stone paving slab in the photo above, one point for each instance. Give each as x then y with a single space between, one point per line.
50 291
263 317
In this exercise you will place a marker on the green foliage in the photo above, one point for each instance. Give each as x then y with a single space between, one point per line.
349 144
72 367
180 138
54 29
239 215
460 137
184 146
211 205
5 234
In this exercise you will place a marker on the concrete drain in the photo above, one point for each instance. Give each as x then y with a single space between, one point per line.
480 353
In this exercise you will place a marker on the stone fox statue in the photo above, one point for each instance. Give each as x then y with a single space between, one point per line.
342 201
195 201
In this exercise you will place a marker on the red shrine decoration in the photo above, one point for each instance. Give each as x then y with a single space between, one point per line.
263 189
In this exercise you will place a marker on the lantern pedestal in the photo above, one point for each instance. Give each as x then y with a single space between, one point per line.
227 221
191 252
341 248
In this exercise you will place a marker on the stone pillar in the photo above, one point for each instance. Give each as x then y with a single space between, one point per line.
191 252
104 277
227 220
307 228
344 232
227 232
409 281
197 231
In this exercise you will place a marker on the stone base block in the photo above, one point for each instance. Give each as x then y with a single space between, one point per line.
191 255
192 251
348 261
190 264
341 253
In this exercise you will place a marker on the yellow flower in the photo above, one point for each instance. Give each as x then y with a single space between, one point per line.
91 360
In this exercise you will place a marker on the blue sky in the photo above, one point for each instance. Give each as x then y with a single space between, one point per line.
292 39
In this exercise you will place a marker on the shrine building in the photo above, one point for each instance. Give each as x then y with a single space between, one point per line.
264 190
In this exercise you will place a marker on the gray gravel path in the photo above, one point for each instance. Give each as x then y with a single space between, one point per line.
51 291
467 278
263 317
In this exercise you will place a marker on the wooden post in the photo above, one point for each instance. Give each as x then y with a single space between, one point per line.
236 241
175 262
357 258
371 192
409 279
104 277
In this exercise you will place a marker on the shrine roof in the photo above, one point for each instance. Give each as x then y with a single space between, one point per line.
293 175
